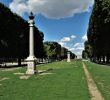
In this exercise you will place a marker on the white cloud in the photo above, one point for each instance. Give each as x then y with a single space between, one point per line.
68 42
77 51
84 37
62 43
78 45
51 8
65 39
73 36
77 48
72 49
19 6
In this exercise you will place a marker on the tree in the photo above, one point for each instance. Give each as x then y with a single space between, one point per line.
14 36
98 31
55 51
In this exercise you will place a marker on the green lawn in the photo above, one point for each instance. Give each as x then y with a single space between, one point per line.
101 75
66 82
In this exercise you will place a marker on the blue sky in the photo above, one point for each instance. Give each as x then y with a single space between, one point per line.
64 21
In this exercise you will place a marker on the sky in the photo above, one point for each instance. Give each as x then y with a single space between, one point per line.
63 21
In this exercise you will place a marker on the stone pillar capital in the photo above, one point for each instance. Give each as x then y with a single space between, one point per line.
31 22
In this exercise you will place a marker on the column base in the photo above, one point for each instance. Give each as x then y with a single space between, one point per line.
31 58
31 65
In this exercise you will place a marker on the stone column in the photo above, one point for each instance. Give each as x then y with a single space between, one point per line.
31 66
68 57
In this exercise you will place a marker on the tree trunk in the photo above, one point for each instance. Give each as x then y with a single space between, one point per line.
108 58
19 61
103 59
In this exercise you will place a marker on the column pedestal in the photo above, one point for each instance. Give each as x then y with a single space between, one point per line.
31 65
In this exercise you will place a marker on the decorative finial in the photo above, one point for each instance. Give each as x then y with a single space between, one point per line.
31 16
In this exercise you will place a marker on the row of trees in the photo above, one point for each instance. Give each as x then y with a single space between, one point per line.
14 39
14 36
97 48
56 51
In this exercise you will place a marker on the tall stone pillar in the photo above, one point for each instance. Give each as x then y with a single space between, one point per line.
31 66
68 57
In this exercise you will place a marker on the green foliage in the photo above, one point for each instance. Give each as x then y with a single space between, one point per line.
64 52
14 36
98 30
54 50
87 53
84 54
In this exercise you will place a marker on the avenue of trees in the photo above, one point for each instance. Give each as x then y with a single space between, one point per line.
56 51
14 36
14 39
97 48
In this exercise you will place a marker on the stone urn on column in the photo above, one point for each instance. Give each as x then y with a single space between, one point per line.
68 57
31 60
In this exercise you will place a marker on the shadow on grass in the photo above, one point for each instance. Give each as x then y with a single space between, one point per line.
101 63
44 71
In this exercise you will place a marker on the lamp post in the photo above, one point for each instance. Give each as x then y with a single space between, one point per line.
31 66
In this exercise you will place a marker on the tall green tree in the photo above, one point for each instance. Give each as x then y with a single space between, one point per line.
98 31
14 36
55 51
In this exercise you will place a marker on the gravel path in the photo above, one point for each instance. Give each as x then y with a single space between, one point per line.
94 92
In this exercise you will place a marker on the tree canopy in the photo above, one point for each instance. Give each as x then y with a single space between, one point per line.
56 51
14 36
99 32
